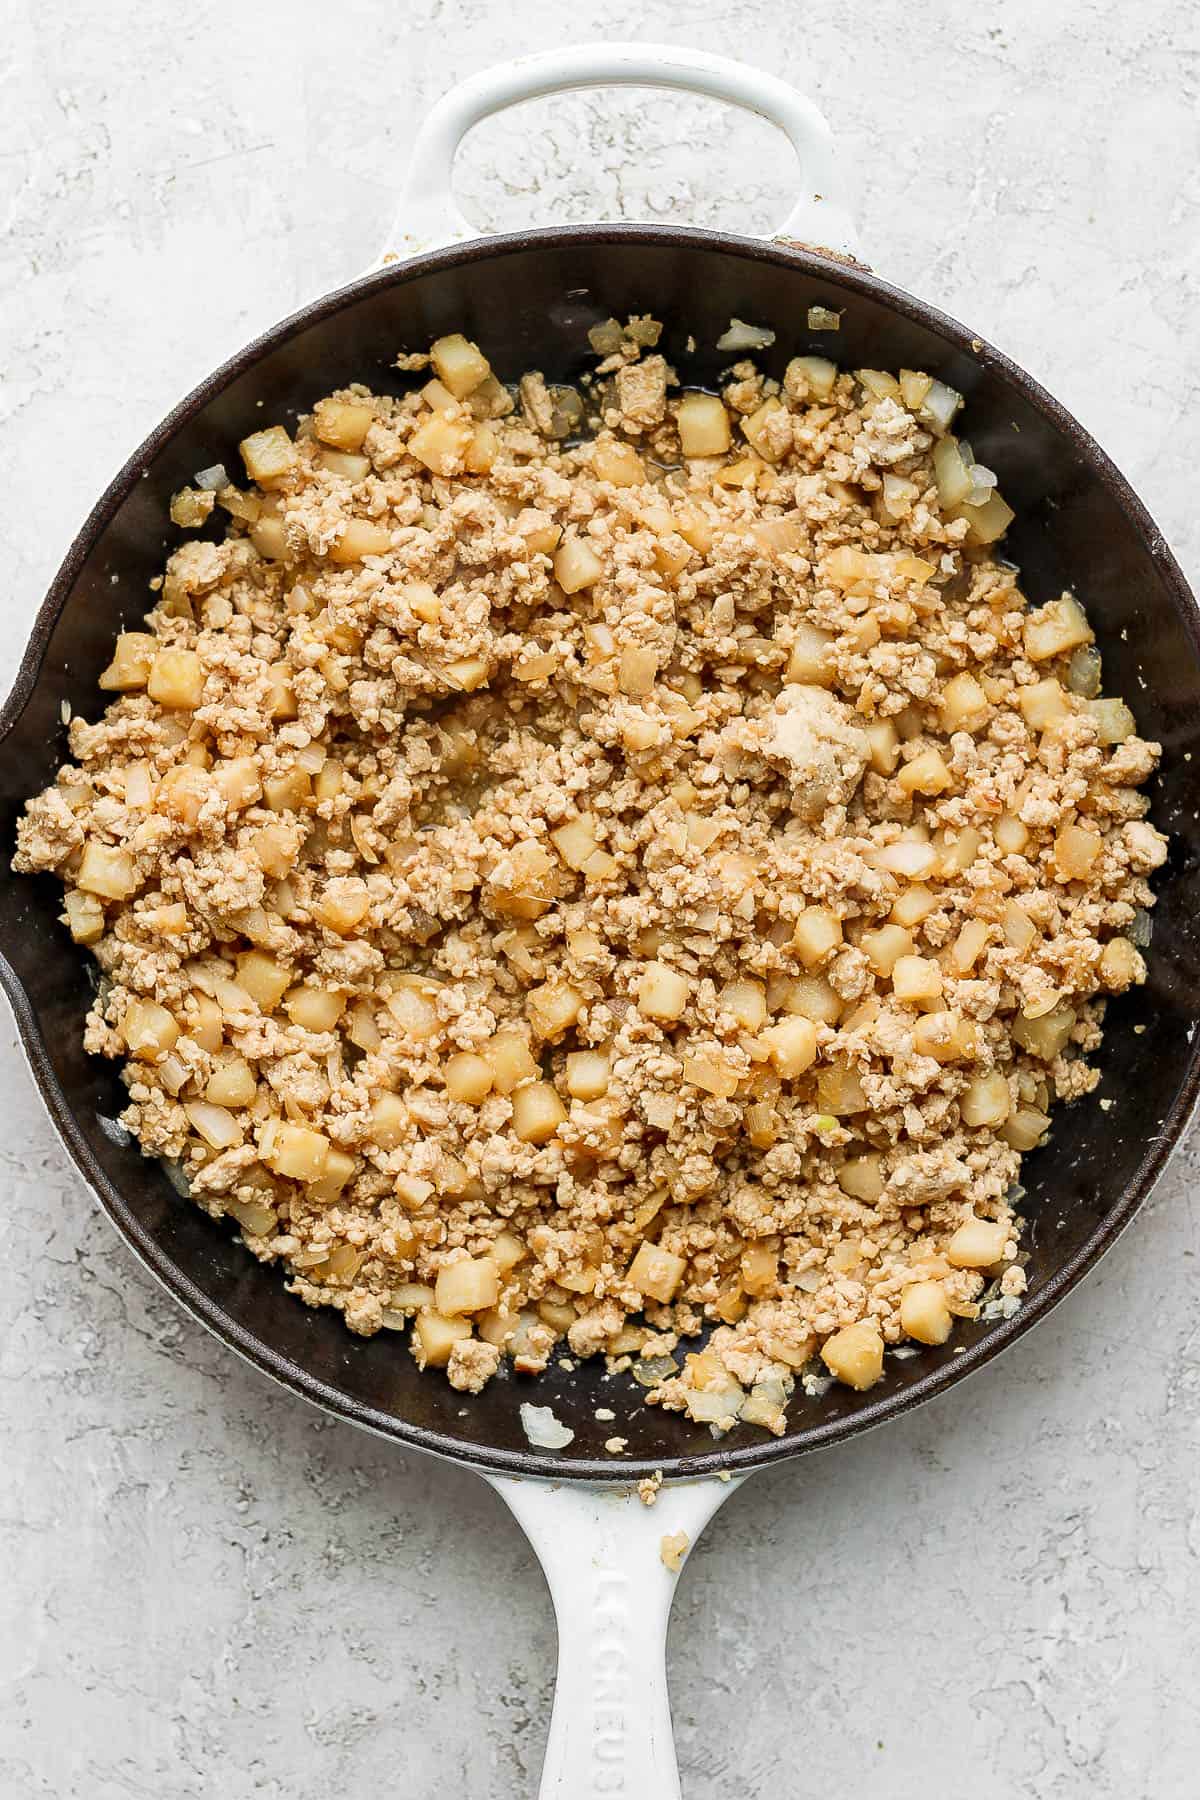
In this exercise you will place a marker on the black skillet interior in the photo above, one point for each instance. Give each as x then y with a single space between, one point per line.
529 302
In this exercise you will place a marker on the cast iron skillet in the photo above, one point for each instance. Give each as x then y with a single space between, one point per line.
529 299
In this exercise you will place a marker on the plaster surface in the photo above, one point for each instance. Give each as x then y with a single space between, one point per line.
210 1589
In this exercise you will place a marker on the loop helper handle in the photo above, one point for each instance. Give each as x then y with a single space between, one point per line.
428 216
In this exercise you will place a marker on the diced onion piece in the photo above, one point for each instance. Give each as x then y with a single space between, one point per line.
898 495
878 383
988 521
712 1073
840 1090
541 1427
1019 928
845 567
914 385
245 506
969 945
696 527
254 1216
911 860
957 850
952 473
939 405
741 336
1084 671
218 1127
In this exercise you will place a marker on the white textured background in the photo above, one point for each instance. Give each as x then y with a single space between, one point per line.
210 1590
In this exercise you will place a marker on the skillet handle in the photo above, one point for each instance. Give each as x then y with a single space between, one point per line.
600 1548
429 217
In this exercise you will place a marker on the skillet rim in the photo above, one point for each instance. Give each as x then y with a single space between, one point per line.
855 278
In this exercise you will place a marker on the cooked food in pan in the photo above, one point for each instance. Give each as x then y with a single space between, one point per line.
575 869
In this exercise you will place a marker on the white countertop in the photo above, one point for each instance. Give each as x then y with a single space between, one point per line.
210 1589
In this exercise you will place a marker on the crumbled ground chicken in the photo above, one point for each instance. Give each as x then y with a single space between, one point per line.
578 891
672 1549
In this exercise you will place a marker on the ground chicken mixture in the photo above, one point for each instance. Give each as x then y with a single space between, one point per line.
575 869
